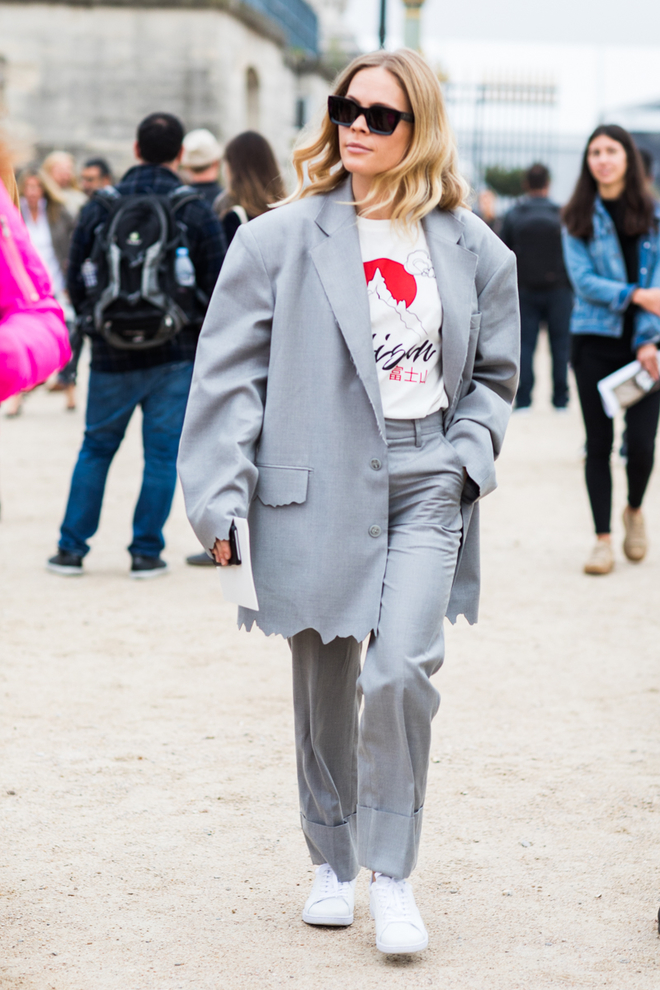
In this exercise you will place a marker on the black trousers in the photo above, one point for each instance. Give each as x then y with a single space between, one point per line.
590 364
552 306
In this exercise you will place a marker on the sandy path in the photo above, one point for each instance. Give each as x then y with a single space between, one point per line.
147 790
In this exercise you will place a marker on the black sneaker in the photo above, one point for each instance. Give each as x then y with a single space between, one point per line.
200 560
148 567
65 563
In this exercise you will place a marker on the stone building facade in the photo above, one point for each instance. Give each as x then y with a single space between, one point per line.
79 75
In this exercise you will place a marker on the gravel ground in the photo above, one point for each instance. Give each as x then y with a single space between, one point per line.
147 783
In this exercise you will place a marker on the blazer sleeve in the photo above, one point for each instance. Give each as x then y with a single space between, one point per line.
477 428
224 415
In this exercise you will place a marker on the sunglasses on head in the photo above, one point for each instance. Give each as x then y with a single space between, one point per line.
380 120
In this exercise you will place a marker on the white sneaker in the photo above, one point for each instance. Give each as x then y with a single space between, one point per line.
399 925
331 901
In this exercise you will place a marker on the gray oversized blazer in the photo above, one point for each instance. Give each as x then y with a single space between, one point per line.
285 424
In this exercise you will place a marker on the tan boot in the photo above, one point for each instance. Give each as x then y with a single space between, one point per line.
601 558
635 542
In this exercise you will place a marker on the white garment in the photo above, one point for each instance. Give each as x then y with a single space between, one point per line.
39 231
406 318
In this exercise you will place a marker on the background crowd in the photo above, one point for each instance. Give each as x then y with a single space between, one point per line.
563 287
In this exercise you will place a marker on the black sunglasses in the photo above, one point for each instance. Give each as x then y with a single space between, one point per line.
380 120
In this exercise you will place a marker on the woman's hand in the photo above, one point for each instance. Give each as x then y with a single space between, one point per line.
648 299
647 355
221 552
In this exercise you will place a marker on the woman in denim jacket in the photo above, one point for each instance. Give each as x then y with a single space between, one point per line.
611 246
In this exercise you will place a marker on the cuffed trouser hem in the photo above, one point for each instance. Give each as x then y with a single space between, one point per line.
333 844
388 843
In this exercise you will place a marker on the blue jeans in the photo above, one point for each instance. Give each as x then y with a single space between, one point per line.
162 392
554 306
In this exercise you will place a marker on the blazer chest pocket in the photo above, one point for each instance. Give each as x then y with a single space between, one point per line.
282 485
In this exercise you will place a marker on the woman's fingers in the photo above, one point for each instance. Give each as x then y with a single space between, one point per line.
647 355
652 368
221 552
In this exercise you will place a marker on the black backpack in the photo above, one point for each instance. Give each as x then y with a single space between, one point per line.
537 245
140 283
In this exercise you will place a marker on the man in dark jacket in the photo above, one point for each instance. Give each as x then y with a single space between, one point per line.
157 379
532 229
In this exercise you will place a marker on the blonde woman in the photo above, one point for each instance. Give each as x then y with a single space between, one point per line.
49 223
60 167
352 386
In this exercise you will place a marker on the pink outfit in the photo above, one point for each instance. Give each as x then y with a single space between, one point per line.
34 340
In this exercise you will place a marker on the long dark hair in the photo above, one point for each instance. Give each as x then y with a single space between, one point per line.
255 177
639 215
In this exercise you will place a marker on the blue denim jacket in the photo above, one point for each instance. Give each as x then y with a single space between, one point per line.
598 273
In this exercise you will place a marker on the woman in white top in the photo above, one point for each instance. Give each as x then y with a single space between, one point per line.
49 224
352 385
50 227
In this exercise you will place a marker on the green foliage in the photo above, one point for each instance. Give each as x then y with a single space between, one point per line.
505 181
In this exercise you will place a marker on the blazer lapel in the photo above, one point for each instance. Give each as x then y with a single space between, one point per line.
455 269
339 265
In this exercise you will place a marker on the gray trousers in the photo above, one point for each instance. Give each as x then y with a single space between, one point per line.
362 780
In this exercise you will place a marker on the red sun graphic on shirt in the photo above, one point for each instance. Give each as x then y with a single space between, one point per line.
400 283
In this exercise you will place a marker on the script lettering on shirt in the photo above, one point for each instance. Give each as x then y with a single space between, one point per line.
390 358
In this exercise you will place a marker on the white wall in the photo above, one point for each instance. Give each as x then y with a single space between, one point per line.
82 78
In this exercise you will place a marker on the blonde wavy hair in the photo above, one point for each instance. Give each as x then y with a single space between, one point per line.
427 176
61 158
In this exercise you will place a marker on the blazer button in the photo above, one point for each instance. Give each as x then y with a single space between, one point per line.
374 531
375 463
642 271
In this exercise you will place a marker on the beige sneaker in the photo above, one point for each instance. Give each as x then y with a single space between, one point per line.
635 543
601 558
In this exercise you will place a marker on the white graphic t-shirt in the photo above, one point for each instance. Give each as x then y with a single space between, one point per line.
406 318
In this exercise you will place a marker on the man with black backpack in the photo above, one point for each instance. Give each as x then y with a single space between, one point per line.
532 229
144 260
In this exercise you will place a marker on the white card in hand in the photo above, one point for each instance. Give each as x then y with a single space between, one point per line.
236 579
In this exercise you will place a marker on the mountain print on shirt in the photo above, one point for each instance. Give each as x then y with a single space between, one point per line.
405 312
395 285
